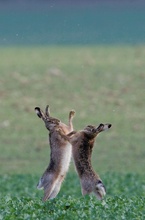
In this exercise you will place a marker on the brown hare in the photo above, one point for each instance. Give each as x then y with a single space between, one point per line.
60 155
82 145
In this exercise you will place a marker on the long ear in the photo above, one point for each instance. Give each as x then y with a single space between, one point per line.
40 113
107 126
47 111
99 128
103 127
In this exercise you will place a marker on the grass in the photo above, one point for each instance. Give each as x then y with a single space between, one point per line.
103 84
20 200
26 208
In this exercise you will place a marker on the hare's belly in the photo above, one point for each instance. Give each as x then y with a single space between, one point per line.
67 152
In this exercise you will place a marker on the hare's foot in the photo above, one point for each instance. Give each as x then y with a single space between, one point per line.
100 190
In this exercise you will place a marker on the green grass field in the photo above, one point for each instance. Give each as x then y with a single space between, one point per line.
103 84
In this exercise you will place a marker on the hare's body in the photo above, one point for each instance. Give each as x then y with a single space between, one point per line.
60 156
82 145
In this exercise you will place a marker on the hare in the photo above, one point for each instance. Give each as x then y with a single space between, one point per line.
60 156
82 145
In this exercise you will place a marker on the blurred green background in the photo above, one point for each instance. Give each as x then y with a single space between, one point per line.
88 57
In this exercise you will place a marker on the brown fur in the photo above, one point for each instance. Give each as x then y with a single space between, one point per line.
60 155
82 145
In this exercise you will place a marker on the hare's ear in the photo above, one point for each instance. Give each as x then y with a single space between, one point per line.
47 111
107 126
100 128
40 113
103 127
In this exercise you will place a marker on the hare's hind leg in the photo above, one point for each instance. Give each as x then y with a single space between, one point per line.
86 186
84 192
48 189
56 188
40 184
47 182
99 190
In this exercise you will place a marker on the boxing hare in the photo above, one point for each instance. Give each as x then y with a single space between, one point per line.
60 155
82 145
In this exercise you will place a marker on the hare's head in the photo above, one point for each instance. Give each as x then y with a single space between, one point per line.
50 122
94 131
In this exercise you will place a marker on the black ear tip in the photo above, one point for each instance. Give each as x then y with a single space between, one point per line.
99 181
101 125
38 112
37 109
